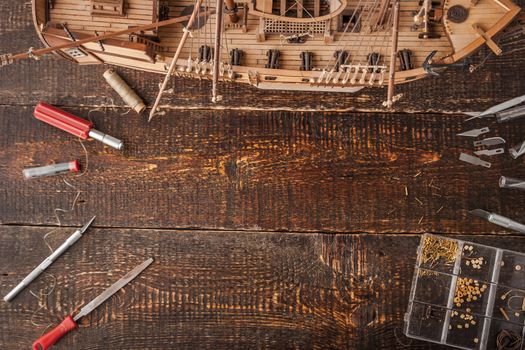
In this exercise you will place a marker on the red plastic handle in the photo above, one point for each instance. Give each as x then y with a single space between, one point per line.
51 337
63 120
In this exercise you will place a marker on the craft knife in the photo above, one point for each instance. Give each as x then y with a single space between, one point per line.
497 108
489 152
48 261
474 132
511 114
498 220
490 141
70 322
473 160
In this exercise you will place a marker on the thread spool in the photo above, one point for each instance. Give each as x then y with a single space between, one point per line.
125 91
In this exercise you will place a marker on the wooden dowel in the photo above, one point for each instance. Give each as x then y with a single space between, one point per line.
217 52
173 64
77 43
393 55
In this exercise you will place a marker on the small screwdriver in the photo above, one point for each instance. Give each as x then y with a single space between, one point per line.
73 124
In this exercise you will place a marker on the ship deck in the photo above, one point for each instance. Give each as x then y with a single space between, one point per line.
77 15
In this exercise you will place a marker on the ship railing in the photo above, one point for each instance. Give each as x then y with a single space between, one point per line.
152 47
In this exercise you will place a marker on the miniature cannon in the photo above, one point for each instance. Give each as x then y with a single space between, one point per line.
273 59
405 59
340 58
235 57
306 60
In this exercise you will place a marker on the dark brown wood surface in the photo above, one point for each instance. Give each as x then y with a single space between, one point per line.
277 220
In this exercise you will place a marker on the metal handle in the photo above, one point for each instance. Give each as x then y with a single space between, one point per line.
506 222
510 114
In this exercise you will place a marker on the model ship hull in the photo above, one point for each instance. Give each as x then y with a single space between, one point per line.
282 44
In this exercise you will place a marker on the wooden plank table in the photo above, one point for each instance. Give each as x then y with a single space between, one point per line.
283 220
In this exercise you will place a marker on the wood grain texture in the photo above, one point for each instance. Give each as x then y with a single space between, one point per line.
265 163
217 289
269 171
60 82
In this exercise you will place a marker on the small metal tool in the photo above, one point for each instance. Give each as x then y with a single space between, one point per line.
489 152
473 160
510 114
490 141
70 323
510 182
48 261
497 108
474 132
517 150
74 125
498 220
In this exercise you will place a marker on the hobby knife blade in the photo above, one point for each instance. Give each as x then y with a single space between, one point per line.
473 160
474 132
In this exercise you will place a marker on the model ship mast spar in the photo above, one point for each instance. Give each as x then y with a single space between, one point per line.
173 64
217 51
392 72
40 52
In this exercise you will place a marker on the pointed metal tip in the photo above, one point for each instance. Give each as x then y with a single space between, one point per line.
472 118
85 227
480 213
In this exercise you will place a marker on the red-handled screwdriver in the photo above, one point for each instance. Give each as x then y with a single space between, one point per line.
73 124
70 323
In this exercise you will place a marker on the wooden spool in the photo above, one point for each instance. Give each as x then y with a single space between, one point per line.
125 91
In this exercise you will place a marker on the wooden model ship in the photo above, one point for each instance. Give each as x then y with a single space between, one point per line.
317 45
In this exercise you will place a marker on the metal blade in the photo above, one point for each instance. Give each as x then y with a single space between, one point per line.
480 213
490 152
472 114
473 160
93 304
474 132
491 141
85 227
476 115
503 106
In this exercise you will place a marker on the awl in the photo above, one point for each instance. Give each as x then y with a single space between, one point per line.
70 322
48 261
73 124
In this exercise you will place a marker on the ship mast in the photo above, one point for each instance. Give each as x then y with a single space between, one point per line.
393 55
187 31
217 50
